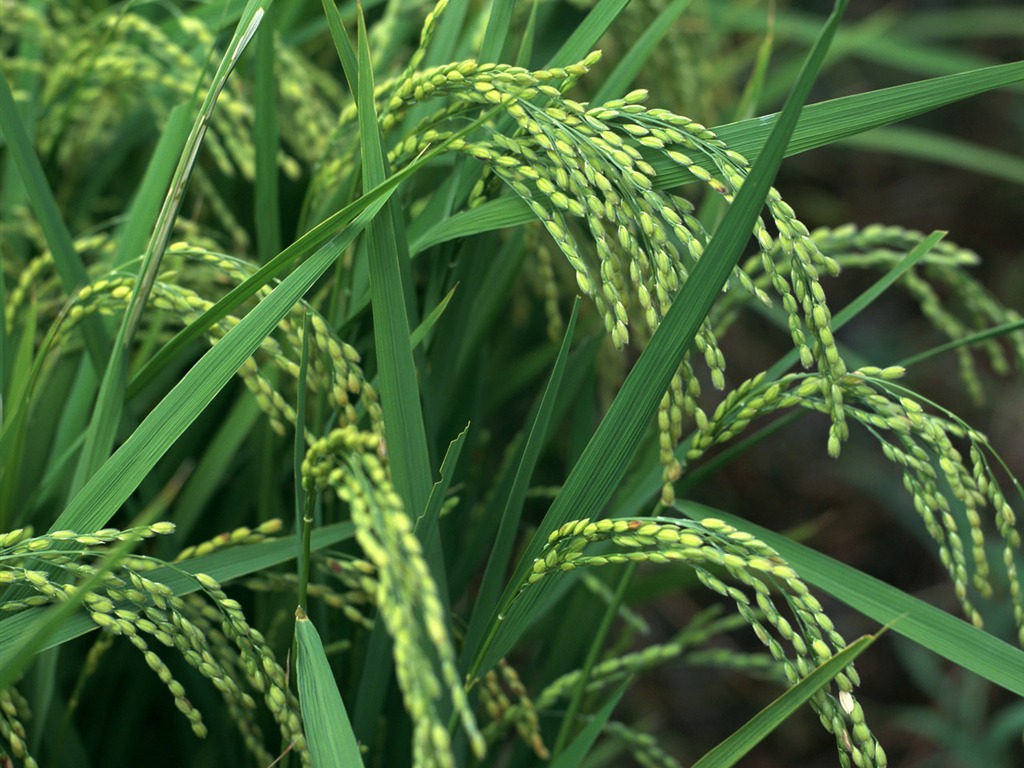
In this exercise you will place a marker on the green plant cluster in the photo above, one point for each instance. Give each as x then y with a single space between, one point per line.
459 181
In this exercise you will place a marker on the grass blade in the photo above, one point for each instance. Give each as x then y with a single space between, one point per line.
494 214
975 338
819 125
628 67
120 475
829 121
946 635
604 461
390 292
577 751
342 44
224 566
504 541
66 260
16 396
329 733
427 523
266 136
926 145
427 324
740 742
499 26
585 36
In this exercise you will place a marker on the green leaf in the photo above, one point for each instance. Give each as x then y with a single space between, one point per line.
432 513
347 56
65 258
391 296
16 400
426 326
408 457
329 734
820 124
121 474
616 84
577 751
504 541
427 524
585 36
494 214
499 25
224 566
946 635
604 461
214 464
266 136
995 332
828 122
948 150
750 734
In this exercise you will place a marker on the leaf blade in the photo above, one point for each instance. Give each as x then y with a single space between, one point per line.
593 480
732 749
329 734
950 637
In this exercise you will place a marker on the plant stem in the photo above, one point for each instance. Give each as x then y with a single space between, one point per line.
303 501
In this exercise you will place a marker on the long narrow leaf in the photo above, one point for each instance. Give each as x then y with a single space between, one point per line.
390 292
400 399
577 751
628 67
589 31
499 26
223 565
329 733
69 266
830 121
948 150
120 475
497 563
750 734
946 635
819 125
975 338
266 136
604 461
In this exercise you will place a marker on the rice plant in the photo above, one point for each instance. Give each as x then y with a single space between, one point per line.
364 366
